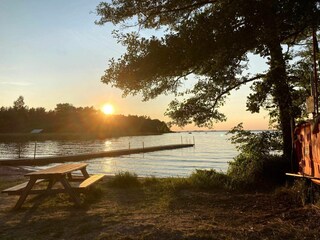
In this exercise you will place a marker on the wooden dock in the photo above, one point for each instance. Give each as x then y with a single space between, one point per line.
81 157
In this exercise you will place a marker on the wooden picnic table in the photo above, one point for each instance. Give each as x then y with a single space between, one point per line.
60 173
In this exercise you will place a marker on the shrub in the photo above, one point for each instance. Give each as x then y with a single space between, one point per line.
258 164
252 172
125 180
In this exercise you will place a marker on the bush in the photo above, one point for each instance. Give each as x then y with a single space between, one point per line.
257 165
252 172
125 180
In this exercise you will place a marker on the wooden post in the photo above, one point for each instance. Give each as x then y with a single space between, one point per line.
181 139
129 145
19 150
35 150
143 145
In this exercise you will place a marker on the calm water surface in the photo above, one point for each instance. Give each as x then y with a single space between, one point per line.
212 150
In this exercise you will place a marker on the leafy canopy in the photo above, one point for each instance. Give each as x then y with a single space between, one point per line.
210 40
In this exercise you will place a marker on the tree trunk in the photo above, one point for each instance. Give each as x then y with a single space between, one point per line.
282 95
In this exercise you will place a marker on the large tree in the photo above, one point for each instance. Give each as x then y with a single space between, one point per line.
210 40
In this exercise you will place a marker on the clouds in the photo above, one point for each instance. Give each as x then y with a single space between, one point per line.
16 83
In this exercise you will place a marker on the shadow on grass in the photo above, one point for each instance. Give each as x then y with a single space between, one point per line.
74 224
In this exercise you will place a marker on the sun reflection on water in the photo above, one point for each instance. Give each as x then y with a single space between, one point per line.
107 145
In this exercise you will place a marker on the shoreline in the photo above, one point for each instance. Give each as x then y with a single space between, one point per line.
157 209
22 137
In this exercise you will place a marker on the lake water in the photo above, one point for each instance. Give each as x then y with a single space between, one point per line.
212 151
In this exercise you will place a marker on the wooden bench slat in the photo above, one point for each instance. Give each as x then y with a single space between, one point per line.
91 180
59 169
19 187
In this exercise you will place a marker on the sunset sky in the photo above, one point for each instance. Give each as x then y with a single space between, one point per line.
52 52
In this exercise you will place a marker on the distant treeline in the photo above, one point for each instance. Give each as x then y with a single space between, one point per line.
67 119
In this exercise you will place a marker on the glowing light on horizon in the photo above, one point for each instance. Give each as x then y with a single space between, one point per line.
107 109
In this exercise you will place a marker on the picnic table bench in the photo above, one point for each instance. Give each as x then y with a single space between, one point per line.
60 173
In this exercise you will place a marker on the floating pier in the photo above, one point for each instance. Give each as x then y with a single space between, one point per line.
81 157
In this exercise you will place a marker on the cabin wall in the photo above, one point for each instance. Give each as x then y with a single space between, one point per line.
315 139
304 150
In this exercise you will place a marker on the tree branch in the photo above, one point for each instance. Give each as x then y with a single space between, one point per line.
235 86
178 9
152 11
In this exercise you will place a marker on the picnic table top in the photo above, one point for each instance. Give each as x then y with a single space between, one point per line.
59 169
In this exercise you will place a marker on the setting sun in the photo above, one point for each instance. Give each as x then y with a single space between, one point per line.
107 109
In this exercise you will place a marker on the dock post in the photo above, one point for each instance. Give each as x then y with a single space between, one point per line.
27 161
35 150
143 149
181 139
19 150
129 145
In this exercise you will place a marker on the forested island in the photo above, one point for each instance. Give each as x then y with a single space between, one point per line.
67 121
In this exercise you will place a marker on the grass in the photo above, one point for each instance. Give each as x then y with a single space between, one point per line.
204 180
162 208
170 208
125 180
209 179
92 195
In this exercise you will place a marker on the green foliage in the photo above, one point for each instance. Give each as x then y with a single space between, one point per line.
174 184
125 180
262 143
258 166
199 179
228 32
301 75
258 163
209 179
19 103
170 184
151 181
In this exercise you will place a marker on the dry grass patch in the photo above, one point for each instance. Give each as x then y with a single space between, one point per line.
162 209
